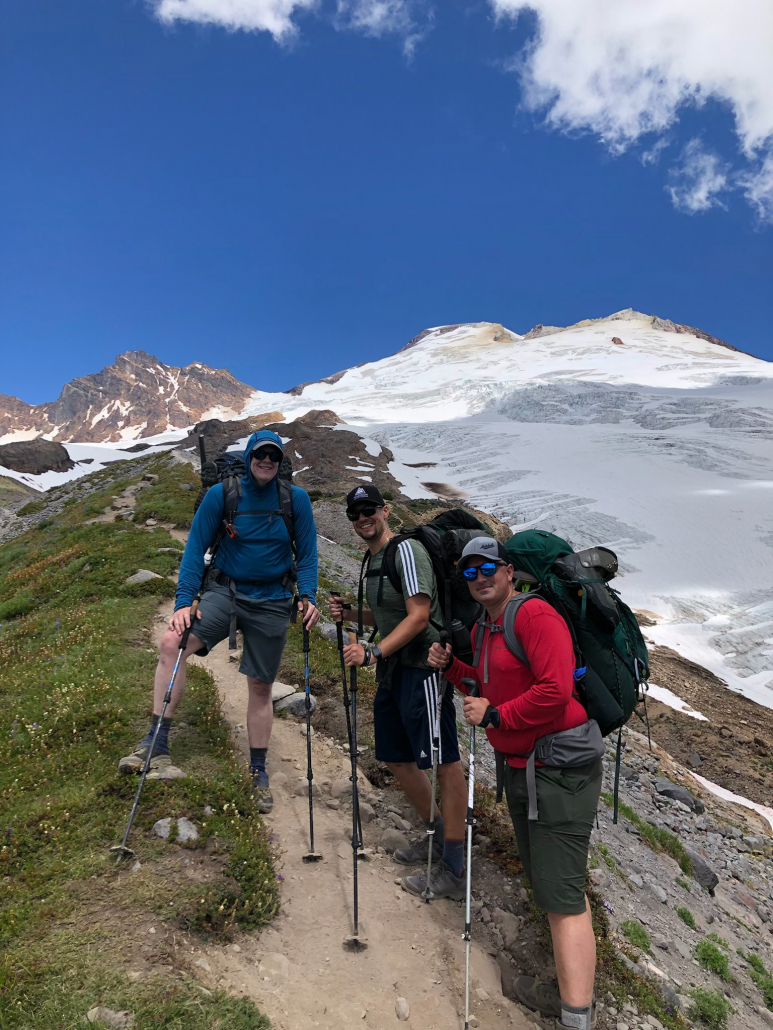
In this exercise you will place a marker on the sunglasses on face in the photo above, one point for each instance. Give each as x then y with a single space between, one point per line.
368 510
261 453
487 569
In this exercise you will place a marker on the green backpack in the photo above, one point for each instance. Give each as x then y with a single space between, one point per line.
612 666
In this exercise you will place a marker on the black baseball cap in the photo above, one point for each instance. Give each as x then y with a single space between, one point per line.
365 494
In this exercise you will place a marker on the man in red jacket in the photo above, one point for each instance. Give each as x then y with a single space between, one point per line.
517 706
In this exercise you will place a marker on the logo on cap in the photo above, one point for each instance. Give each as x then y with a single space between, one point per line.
360 493
487 546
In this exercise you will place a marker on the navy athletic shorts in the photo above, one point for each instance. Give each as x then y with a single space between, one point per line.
404 717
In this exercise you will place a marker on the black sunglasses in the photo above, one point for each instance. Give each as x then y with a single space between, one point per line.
261 453
368 510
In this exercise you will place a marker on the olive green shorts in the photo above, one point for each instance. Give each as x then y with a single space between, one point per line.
554 849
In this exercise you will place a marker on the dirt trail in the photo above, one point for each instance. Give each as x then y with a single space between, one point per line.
296 970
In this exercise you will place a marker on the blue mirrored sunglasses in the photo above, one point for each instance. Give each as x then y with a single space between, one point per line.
488 569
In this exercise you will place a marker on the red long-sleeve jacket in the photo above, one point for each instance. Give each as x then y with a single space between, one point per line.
531 702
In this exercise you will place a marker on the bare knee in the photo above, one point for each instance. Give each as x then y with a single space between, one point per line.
260 689
398 767
170 644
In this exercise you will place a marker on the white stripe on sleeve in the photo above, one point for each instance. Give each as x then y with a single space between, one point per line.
409 567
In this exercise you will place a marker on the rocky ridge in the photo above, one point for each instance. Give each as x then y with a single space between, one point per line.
136 396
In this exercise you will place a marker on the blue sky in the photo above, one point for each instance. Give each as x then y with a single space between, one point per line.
289 204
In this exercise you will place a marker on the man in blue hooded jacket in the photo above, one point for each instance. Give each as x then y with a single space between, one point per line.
254 574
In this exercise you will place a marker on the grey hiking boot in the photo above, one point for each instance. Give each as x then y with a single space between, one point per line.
263 798
417 852
542 996
135 762
443 883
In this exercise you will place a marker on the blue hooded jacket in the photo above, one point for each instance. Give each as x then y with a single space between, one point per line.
261 553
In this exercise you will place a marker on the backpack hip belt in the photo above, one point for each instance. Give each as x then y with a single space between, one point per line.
565 749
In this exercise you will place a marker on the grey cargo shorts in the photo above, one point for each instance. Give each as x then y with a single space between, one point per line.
263 625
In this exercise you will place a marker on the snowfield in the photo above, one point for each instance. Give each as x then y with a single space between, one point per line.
620 431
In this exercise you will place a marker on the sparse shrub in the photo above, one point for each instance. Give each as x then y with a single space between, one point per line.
711 958
608 858
710 1008
682 883
760 975
686 916
718 940
635 933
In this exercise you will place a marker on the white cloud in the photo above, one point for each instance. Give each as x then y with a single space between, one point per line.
274 16
373 17
757 186
623 68
379 17
698 179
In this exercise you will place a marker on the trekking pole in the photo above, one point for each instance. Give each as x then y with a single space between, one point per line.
473 691
340 634
120 850
311 855
428 895
355 941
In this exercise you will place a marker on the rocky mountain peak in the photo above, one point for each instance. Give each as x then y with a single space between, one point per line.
137 396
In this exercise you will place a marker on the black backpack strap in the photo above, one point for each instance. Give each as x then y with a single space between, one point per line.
364 570
232 492
285 490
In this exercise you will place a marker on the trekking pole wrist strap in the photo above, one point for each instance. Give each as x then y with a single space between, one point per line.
491 717
366 653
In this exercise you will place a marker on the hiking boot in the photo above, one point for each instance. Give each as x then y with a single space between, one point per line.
417 853
135 762
542 996
264 799
443 884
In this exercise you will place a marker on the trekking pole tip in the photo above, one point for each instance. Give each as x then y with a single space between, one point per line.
312 856
355 943
121 851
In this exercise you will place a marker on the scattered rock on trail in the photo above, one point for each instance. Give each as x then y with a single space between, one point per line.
391 840
110 1017
402 1010
279 691
679 793
162 828
302 787
142 576
274 966
295 704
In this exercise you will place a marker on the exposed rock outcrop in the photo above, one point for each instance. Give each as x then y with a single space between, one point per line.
137 392
35 457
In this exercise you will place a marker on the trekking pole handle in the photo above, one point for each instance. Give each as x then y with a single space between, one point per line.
344 604
189 627
473 690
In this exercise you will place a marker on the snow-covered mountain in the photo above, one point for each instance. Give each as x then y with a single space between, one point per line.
137 396
631 431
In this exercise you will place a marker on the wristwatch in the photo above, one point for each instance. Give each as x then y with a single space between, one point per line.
376 652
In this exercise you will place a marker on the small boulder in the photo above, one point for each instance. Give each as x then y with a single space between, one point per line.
302 788
392 839
142 576
295 704
110 1017
186 830
279 691
657 891
402 1011
598 877
162 828
275 966
702 871
367 812
679 793
341 788
694 760
508 924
